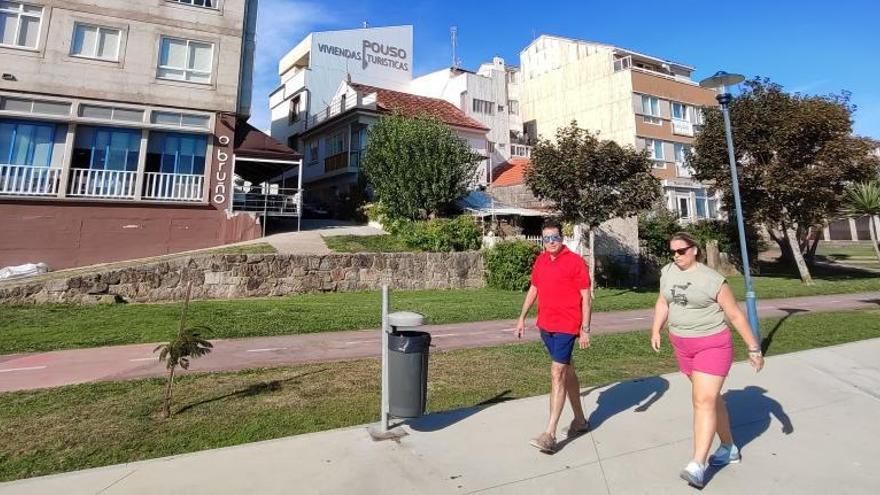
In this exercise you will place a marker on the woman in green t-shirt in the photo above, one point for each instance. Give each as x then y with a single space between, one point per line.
697 303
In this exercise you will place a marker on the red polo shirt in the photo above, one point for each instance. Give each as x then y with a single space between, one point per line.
559 282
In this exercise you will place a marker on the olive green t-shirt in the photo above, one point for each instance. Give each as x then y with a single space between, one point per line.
691 295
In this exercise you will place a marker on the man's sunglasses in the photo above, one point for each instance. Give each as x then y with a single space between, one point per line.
681 251
552 238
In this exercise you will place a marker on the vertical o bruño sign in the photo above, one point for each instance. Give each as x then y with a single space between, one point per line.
221 174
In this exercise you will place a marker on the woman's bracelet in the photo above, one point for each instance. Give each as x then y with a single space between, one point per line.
756 351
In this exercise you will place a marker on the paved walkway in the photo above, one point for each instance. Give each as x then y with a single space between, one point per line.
309 239
52 369
807 424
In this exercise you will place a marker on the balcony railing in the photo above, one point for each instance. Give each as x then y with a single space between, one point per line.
338 161
25 180
520 150
92 183
173 187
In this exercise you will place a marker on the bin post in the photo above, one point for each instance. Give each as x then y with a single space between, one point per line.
382 431
383 419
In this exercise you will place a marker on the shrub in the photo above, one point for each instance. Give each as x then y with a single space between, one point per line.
509 264
440 234
655 229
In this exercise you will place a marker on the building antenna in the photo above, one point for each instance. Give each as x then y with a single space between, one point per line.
453 32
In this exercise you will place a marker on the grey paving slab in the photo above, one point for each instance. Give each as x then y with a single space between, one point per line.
807 424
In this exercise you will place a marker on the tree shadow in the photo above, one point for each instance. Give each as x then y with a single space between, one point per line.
251 390
440 420
767 341
871 301
751 412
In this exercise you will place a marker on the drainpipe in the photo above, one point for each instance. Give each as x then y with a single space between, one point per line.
246 62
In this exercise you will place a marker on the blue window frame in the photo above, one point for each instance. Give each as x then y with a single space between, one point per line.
26 143
176 153
106 148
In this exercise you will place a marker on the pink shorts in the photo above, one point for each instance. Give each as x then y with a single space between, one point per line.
712 355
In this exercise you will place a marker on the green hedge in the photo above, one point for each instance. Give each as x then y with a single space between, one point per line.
509 264
440 234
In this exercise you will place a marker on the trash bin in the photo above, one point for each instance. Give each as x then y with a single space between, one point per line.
407 365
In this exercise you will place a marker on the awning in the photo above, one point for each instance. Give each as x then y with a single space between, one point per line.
480 204
259 157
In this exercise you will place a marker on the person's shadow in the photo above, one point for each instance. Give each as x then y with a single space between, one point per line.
751 412
639 394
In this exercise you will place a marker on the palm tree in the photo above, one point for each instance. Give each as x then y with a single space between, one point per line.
188 344
864 199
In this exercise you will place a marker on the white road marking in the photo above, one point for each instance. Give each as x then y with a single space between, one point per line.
353 342
154 358
639 318
267 349
29 368
832 302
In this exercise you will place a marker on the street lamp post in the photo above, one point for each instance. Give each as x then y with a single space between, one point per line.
723 80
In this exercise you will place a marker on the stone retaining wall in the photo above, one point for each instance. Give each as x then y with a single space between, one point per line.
228 276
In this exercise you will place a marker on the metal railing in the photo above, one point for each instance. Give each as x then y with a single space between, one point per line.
26 180
173 187
520 150
267 201
92 183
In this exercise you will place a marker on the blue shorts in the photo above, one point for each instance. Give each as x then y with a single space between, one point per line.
559 345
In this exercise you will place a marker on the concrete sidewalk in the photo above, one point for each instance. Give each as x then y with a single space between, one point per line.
806 424
56 368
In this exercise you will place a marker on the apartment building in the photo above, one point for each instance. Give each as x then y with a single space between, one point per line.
122 125
629 97
335 139
484 96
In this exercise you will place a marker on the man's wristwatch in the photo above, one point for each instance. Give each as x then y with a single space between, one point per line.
586 329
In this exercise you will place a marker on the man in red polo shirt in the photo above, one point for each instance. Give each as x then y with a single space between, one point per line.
561 284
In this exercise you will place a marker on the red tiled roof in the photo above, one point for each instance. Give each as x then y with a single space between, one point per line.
511 172
418 106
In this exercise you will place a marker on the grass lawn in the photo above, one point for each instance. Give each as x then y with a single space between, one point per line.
365 244
82 426
256 248
49 327
853 253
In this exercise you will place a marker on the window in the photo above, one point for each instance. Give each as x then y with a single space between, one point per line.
185 60
111 113
650 106
20 24
293 111
313 152
655 152
95 42
335 144
180 119
491 147
483 106
211 4
176 153
680 111
27 105
106 148
684 207
513 107
679 152
26 143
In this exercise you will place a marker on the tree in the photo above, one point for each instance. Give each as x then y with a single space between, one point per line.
187 344
795 154
417 166
864 199
589 180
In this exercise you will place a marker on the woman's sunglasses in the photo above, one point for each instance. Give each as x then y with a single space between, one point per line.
681 251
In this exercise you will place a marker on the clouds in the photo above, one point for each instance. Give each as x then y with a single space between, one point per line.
281 24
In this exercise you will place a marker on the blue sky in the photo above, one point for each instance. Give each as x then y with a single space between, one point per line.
808 46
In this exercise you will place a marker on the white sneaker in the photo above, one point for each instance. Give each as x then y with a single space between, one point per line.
726 454
693 473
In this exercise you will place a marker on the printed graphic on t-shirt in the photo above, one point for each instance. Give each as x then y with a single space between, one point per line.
679 294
